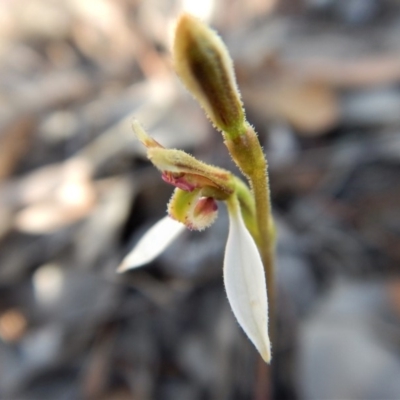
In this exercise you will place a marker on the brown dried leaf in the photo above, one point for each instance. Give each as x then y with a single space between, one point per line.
57 196
14 144
13 325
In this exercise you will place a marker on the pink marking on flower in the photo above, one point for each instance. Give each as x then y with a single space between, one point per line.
205 205
178 181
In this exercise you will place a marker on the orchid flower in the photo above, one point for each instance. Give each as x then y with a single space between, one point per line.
204 66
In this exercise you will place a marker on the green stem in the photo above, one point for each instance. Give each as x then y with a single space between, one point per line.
247 207
259 184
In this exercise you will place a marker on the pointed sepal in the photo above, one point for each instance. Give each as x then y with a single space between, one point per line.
245 284
152 244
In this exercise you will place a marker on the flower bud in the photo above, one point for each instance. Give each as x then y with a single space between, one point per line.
205 67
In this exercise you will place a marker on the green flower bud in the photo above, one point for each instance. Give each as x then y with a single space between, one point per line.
205 67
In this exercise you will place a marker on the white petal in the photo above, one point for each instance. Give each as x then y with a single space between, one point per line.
152 244
245 286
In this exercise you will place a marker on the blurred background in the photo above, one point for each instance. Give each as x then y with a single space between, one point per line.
320 82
